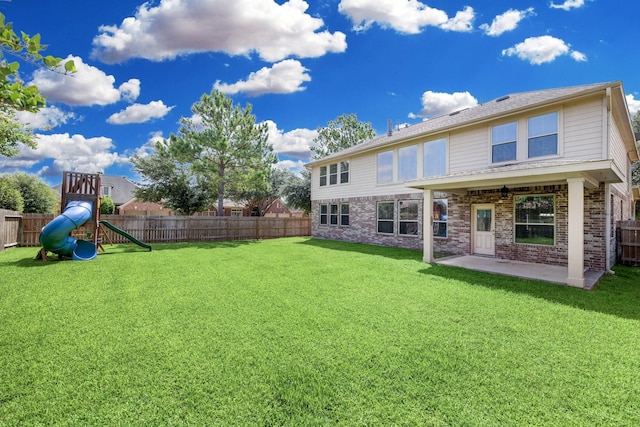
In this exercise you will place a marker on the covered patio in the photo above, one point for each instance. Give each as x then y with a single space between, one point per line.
524 270
575 175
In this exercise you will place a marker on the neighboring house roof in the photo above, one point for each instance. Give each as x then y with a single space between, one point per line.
500 107
122 189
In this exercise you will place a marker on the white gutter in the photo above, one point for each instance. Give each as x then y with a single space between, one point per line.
607 191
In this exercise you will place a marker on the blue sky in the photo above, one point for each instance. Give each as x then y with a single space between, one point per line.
300 64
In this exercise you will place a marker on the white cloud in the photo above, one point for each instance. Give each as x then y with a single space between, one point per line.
284 77
45 119
130 90
435 104
508 21
239 27
294 143
140 113
68 152
88 86
578 56
633 103
567 5
294 166
462 22
538 50
404 16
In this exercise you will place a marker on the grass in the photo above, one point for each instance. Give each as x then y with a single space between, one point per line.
308 332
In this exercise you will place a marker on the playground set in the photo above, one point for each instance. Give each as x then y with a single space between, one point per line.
80 205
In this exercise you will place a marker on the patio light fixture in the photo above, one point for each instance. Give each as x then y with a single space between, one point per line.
504 192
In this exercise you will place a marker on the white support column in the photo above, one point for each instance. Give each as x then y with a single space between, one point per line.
427 226
576 232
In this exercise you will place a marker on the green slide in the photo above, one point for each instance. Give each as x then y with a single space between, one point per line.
124 233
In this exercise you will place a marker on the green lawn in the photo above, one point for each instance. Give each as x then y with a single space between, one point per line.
308 332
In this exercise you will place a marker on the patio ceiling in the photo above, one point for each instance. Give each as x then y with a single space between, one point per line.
524 174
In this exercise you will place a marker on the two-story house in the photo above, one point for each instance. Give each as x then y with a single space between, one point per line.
539 177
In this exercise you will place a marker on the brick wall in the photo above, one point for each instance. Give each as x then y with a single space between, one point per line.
363 224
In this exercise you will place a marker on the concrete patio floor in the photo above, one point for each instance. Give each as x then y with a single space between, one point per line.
525 270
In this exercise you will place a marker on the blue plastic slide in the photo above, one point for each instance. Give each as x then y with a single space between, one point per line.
55 237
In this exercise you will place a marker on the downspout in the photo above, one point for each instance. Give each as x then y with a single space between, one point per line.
607 192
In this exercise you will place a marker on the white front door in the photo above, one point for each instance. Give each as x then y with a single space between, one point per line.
483 226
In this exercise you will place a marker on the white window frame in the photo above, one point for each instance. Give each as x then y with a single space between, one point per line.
504 141
408 163
387 167
409 218
544 133
517 224
440 220
386 220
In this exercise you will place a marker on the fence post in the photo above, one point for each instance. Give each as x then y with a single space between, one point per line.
3 214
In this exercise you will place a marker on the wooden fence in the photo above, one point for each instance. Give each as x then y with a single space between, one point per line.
173 229
629 240
10 228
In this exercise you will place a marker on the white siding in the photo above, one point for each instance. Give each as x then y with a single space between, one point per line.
584 130
469 150
362 182
619 156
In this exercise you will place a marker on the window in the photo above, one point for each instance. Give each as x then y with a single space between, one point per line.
344 215
323 215
408 163
503 142
333 174
236 212
385 167
408 217
434 158
344 172
385 217
535 219
106 190
440 216
543 135
333 215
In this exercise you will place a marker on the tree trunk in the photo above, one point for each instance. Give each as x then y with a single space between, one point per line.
221 198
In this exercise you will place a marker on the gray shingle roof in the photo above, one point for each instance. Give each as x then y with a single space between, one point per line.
502 106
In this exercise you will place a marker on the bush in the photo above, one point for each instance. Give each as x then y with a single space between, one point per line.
37 197
10 198
107 206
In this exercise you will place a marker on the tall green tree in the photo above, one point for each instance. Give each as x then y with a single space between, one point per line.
14 95
226 148
259 199
343 132
171 181
297 192
37 196
10 197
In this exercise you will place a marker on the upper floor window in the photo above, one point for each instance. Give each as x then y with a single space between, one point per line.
106 190
435 158
543 135
338 172
408 163
344 172
385 167
333 174
503 142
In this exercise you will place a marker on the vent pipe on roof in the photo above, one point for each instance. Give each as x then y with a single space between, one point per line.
389 127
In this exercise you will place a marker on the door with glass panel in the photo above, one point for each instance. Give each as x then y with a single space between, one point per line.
483 230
